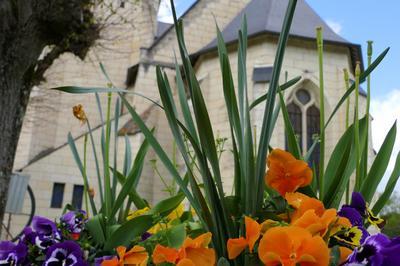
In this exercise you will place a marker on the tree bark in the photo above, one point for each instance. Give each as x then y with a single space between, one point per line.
26 28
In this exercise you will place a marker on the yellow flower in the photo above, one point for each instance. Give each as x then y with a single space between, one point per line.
175 214
165 224
79 113
133 214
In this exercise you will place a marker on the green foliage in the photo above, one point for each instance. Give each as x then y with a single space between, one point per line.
195 139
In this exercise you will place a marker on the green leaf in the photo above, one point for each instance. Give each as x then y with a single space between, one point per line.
341 165
174 236
293 145
132 179
127 157
282 87
116 122
391 184
223 262
166 206
96 227
378 167
78 90
335 256
78 161
363 76
160 152
268 113
128 231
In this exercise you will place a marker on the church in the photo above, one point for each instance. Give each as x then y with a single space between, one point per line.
44 155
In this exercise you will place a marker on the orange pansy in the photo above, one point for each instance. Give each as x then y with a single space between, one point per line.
302 203
136 256
164 254
237 245
193 252
311 214
314 223
292 245
286 173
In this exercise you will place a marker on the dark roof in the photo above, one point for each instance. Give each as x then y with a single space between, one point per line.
266 16
131 128
162 27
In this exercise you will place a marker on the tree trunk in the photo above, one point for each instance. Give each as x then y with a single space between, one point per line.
26 27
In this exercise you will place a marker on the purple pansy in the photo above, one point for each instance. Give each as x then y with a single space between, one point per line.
377 250
99 261
352 214
356 211
67 253
146 235
12 254
43 233
74 221
358 203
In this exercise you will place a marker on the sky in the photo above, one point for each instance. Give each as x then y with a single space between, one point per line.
359 21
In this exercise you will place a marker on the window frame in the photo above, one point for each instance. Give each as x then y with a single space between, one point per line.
304 108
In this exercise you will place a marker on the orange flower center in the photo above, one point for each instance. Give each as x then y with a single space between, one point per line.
293 256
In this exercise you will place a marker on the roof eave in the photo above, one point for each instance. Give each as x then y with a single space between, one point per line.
355 49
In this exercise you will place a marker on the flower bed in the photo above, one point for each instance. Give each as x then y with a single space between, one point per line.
281 210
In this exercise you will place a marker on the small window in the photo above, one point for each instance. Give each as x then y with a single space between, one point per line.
58 195
303 96
77 195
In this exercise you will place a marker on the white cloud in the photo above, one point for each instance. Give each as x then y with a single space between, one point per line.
165 12
334 25
384 112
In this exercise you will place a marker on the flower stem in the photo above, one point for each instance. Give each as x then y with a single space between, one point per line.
322 112
356 127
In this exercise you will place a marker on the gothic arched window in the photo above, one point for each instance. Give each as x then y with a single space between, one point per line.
304 116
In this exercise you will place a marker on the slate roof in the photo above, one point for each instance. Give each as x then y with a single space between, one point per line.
162 28
266 16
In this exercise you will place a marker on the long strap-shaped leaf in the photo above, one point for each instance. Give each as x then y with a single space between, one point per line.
78 161
340 166
391 184
379 165
363 76
282 87
160 152
132 178
264 138
293 145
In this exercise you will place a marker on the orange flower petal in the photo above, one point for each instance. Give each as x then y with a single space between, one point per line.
111 262
201 256
236 246
164 254
121 251
278 155
291 245
296 199
136 256
253 230
314 248
285 173
200 241
185 262
303 203
344 254
267 224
